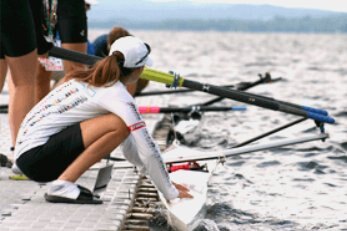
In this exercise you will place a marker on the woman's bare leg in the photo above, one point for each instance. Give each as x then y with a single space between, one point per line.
22 95
3 72
43 81
101 135
72 66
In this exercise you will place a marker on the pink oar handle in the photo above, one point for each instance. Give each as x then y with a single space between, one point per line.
149 109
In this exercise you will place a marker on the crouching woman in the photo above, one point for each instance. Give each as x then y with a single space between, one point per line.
83 120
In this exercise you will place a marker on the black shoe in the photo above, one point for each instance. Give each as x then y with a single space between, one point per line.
4 161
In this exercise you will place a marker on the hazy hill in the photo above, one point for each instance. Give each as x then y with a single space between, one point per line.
186 15
145 10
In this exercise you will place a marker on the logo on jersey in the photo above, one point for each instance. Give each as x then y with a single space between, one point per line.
137 126
134 110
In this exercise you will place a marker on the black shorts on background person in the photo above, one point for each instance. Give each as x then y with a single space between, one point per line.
72 29
16 22
72 21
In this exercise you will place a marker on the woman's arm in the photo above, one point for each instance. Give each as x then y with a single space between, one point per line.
150 156
118 101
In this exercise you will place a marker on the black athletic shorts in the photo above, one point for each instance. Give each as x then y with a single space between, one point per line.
17 34
72 21
37 9
47 162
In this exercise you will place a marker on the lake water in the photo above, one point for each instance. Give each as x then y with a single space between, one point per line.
302 187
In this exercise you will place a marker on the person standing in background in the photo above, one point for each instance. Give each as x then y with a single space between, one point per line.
56 19
61 20
40 88
37 21
18 51
70 29
73 30
43 46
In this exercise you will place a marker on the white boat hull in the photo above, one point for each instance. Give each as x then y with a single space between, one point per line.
183 212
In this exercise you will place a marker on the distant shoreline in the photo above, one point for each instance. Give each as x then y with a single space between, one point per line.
106 28
333 24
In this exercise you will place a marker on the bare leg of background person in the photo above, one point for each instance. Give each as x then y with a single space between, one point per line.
22 94
3 72
71 66
43 81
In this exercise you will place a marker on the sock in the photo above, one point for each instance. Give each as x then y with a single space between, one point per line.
64 189
15 169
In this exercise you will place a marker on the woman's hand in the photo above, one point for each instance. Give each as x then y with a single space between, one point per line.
183 191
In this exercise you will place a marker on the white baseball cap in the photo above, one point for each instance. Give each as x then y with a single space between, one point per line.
135 51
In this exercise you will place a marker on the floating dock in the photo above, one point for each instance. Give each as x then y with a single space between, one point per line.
129 199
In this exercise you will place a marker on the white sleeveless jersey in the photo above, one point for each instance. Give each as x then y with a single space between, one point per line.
76 101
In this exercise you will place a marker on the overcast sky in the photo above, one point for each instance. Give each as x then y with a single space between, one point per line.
334 5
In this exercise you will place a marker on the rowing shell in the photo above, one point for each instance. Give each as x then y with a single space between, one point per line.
183 212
